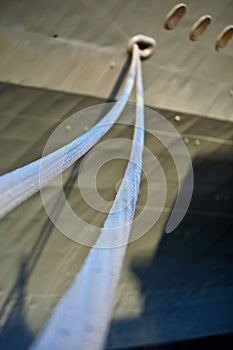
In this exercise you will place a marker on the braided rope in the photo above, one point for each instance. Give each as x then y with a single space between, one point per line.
20 184
82 317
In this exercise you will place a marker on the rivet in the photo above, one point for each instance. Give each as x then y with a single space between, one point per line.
231 92
32 305
85 128
177 118
68 127
112 65
197 143
186 140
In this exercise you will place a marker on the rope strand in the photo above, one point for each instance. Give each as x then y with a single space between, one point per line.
20 184
81 319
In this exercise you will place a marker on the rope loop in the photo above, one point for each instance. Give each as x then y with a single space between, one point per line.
146 45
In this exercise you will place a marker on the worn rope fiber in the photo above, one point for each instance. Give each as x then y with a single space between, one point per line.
82 317
20 184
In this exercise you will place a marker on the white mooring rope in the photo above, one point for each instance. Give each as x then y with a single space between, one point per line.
20 184
82 317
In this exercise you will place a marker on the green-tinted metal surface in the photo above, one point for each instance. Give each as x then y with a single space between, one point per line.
178 289
80 47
